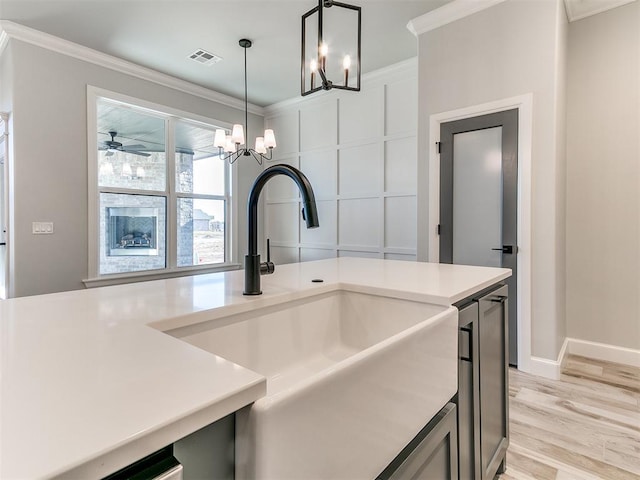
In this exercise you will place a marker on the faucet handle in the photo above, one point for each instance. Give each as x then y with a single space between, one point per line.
267 268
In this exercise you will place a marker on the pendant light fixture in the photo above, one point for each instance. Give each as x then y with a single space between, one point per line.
330 52
231 147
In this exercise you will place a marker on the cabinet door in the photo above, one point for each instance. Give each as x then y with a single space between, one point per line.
494 380
432 454
468 394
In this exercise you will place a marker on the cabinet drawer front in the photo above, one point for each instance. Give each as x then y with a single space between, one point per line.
432 454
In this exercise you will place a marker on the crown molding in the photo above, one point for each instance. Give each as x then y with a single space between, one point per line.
448 13
577 10
11 30
403 69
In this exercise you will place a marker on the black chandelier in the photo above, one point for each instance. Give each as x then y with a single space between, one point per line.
229 146
321 48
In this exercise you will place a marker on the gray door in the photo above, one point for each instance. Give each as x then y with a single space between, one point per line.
479 198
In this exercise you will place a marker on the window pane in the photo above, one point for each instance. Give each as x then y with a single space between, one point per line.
201 226
131 148
198 167
132 233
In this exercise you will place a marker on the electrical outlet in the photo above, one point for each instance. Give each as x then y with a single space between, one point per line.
42 228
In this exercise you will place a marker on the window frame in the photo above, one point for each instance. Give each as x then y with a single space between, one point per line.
170 116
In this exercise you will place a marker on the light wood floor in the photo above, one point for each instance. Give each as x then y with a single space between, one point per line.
585 426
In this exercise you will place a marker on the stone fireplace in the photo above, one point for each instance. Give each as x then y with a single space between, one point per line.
132 231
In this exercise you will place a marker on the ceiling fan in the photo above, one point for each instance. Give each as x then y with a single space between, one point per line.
112 146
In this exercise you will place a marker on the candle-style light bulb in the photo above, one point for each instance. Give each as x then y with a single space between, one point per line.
313 66
324 51
346 64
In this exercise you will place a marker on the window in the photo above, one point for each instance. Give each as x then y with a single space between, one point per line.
153 211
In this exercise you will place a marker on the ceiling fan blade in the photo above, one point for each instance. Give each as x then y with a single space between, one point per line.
137 152
109 153
137 146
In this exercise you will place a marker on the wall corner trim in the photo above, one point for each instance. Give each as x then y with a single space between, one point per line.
11 30
448 13
552 369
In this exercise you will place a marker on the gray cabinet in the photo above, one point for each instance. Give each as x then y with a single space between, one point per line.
483 384
432 454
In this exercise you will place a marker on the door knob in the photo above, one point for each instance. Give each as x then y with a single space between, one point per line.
510 249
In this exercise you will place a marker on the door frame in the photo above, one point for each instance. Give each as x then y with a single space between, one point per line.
524 104
8 210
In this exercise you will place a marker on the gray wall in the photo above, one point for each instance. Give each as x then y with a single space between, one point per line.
510 49
603 192
50 150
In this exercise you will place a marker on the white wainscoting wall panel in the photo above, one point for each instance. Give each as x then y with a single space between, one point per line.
361 114
398 233
286 122
359 151
360 170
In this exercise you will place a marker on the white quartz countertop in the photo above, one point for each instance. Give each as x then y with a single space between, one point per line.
90 383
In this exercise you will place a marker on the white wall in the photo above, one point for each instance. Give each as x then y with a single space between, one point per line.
50 149
513 48
603 193
6 106
359 152
6 77
560 142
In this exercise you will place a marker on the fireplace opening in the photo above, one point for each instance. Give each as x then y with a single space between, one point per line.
132 231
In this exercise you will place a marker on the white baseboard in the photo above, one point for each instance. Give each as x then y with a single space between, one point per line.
603 351
552 369
543 367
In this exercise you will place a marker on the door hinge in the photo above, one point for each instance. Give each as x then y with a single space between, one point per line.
438 229
439 147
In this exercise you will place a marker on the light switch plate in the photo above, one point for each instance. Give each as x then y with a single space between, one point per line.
42 228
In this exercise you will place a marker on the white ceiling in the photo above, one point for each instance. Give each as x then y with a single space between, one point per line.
160 34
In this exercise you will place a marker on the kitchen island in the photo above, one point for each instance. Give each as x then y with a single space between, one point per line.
90 383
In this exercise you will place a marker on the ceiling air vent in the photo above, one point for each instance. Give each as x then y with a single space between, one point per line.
204 57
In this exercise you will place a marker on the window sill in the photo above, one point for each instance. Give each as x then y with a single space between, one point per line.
119 279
